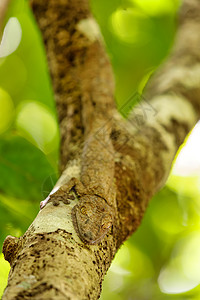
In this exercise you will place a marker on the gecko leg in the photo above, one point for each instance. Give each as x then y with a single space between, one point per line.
64 190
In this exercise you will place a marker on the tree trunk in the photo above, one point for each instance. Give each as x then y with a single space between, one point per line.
110 167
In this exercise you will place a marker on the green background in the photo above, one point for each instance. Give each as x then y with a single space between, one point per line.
161 260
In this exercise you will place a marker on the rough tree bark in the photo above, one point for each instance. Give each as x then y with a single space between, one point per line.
117 164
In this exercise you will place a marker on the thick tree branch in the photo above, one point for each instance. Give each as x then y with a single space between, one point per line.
121 163
146 148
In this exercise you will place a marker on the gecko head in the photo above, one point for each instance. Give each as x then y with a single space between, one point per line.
92 219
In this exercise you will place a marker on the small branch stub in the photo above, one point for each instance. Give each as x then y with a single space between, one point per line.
10 247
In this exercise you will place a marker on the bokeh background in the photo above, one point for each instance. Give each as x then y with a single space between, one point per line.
161 260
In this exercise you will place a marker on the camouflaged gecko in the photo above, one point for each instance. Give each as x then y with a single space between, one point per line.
93 215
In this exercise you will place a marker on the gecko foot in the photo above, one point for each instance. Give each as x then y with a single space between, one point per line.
62 192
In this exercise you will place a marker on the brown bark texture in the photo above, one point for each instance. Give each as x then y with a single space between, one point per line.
110 167
3 8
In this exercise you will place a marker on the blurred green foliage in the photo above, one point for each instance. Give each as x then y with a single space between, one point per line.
161 260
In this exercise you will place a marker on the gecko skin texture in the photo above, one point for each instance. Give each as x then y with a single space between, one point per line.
92 218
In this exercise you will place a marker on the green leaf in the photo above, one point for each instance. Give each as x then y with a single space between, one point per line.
23 169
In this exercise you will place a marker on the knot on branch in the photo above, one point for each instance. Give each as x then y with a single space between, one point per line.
10 247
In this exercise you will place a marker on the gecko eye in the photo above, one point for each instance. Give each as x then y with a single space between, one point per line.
83 210
106 225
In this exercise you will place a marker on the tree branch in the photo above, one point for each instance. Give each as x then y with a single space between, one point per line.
171 107
120 162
